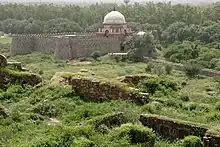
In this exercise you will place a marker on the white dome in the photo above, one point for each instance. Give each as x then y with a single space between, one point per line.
114 17
141 33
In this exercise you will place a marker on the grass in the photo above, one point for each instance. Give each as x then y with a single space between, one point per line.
32 108
5 40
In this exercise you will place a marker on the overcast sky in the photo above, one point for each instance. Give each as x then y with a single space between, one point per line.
109 1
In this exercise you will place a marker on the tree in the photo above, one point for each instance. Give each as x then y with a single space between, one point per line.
140 46
34 27
179 52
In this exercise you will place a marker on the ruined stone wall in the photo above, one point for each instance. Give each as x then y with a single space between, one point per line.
175 129
211 140
170 128
100 91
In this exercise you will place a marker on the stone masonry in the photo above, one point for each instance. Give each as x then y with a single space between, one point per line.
100 91
176 129
65 47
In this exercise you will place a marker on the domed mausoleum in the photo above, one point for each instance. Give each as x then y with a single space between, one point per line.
114 24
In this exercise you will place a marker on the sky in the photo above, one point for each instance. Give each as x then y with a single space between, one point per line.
110 1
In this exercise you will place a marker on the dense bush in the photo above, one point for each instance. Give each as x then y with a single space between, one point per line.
46 108
95 55
149 67
192 69
163 84
192 141
136 134
168 69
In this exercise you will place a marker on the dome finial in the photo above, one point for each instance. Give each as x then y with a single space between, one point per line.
114 9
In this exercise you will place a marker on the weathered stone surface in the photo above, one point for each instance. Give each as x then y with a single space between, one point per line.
171 128
31 79
10 76
65 48
16 65
3 61
212 138
176 129
99 91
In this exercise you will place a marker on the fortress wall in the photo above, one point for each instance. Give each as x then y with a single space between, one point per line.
45 44
63 49
22 45
84 47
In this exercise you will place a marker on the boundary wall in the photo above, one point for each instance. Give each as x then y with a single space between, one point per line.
65 47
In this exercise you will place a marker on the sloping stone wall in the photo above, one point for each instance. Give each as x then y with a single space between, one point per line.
100 91
175 129
171 128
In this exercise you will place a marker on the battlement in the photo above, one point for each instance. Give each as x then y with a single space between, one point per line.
50 34
81 35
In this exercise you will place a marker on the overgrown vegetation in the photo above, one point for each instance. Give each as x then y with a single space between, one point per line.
54 115
34 110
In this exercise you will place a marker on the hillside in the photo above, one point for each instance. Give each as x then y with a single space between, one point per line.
163 91
54 114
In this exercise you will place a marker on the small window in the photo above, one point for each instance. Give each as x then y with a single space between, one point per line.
106 33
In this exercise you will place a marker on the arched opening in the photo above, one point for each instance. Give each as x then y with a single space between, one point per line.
122 48
106 33
125 32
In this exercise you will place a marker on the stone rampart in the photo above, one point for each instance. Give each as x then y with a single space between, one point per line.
100 90
44 44
176 129
65 47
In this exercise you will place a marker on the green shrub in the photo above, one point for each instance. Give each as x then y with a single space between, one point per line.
137 134
214 116
217 106
77 135
152 107
159 70
163 84
192 69
192 141
46 109
149 67
168 69
184 98
110 120
95 55
82 142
